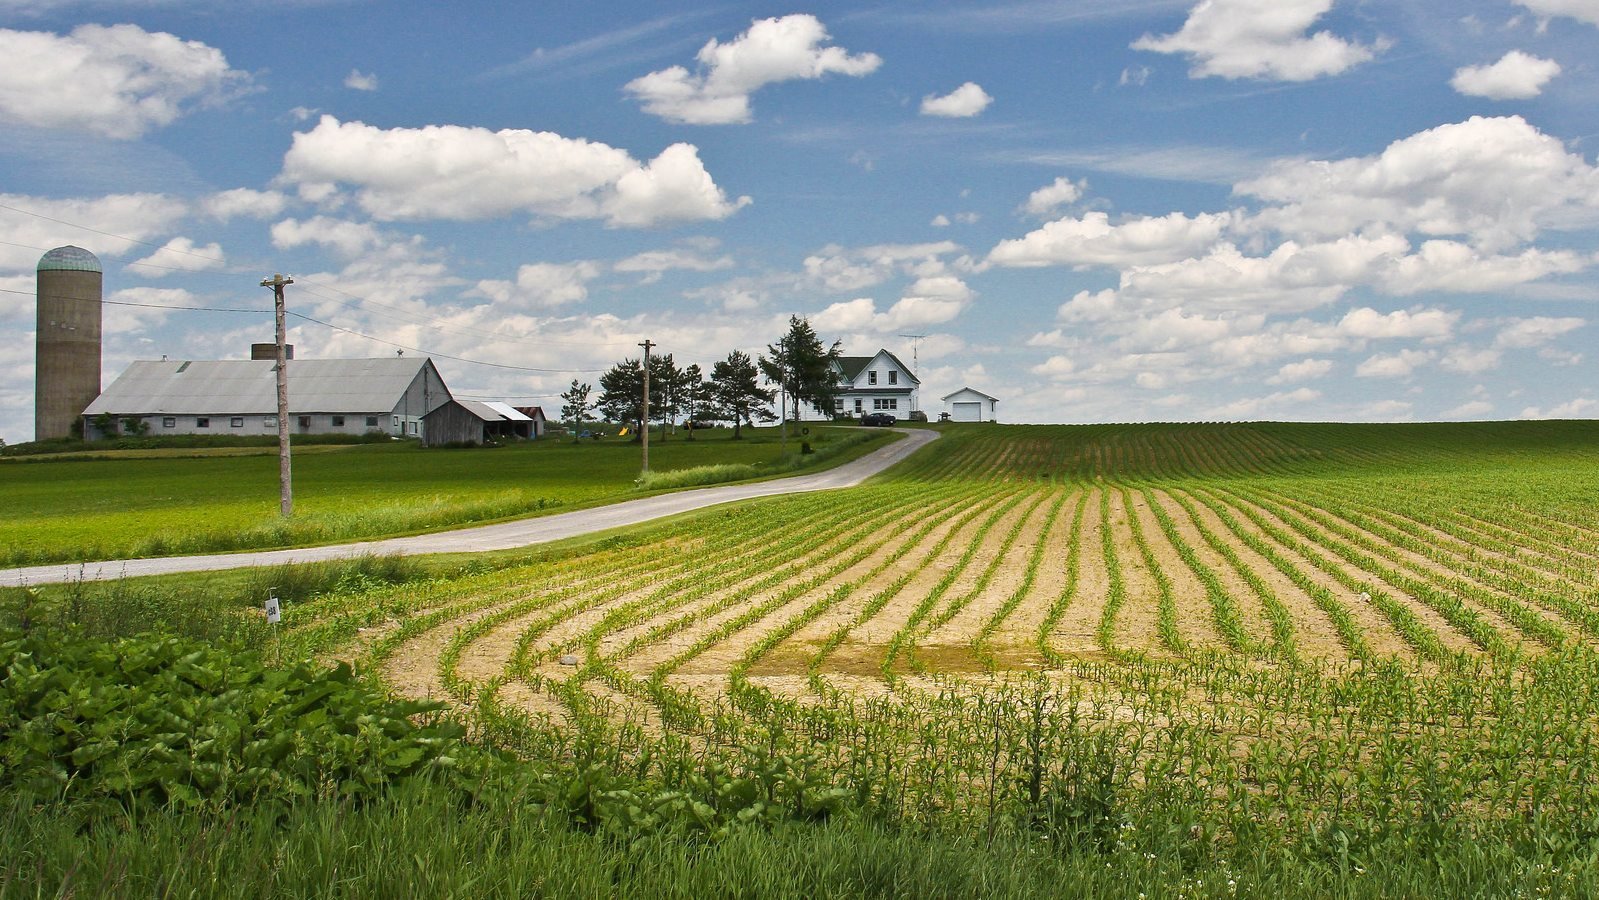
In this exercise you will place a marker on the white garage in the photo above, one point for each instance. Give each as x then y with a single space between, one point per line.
970 405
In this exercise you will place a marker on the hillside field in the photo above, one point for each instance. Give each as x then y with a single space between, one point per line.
173 502
1228 659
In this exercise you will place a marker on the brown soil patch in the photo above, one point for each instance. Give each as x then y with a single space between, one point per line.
1196 617
1076 633
1018 634
964 626
1137 626
1250 610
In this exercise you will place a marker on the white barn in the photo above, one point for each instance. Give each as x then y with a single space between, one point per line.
240 396
879 383
970 405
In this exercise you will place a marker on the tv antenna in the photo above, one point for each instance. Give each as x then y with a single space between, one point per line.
916 346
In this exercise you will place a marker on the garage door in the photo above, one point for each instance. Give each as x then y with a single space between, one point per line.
969 412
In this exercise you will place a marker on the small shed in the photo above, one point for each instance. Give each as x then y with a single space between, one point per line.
971 405
474 422
541 425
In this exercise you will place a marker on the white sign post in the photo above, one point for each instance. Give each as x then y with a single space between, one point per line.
274 610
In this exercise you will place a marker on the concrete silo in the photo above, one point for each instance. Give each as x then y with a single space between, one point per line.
67 364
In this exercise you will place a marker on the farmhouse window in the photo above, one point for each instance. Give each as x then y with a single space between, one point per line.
169 421
338 421
893 376
857 404
236 422
202 422
871 377
838 403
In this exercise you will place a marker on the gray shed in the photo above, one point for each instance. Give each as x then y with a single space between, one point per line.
474 422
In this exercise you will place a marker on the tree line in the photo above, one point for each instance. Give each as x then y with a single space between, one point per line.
796 370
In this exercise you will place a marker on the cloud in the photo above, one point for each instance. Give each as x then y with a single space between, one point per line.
1535 331
463 173
543 285
224 205
962 103
838 269
1471 409
1455 267
1580 407
1251 407
1366 322
134 218
654 263
1259 39
360 81
1052 196
180 254
1093 240
771 51
1581 10
119 81
1495 181
1516 76
1056 368
1394 365
1304 370
928 301
347 239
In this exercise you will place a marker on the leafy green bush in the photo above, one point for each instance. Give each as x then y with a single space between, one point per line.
165 721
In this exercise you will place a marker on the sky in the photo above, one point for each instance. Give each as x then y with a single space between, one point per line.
1093 210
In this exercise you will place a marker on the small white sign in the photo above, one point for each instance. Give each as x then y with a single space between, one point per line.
274 611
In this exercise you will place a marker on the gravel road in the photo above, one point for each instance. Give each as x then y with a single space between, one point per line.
501 536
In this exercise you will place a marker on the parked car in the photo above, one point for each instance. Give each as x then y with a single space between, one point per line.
877 418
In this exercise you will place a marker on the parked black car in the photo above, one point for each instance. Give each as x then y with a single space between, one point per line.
877 418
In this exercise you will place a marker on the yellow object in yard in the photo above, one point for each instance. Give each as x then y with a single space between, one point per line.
622 433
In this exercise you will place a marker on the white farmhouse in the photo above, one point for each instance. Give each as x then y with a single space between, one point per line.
239 396
879 383
970 405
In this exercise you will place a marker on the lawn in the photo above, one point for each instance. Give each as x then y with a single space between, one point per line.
115 506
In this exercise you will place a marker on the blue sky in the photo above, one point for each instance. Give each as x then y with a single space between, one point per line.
1092 210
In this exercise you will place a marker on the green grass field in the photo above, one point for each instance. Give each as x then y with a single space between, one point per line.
1124 660
135 504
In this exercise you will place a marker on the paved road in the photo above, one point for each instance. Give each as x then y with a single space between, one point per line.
502 536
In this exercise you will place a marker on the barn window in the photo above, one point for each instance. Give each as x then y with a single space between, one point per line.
236 422
169 421
202 421
371 421
411 426
338 421
305 421
269 422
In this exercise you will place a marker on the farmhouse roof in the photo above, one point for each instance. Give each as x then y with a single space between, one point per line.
852 366
249 386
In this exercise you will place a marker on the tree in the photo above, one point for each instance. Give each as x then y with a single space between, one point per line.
577 406
799 365
737 393
691 384
622 394
666 390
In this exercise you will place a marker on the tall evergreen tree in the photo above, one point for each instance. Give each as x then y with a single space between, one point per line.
577 406
737 393
691 384
803 368
622 394
666 390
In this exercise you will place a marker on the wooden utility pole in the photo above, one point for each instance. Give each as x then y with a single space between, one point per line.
285 488
645 431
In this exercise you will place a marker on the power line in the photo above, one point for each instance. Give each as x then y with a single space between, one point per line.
475 362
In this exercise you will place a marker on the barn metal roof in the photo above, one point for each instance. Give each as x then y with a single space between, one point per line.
249 386
492 411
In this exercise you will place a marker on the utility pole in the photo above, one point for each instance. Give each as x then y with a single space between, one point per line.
286 491
644 432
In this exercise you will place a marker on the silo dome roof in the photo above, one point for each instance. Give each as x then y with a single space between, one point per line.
69 259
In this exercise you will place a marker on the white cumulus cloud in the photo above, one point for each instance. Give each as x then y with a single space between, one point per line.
962 103
544 285
1259 39
772 50
464 173
1052 196
180 254
1093 240
1516 76
360 81
119 81
1581 10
